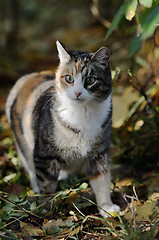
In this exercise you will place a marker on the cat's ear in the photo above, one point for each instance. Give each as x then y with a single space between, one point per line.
102 55
63 53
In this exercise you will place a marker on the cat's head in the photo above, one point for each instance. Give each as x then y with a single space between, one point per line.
83 76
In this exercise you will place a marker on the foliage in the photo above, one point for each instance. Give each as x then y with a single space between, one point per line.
147 20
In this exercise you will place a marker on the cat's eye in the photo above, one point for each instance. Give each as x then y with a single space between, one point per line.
69 79
90 80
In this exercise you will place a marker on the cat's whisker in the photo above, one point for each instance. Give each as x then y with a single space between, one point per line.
48 102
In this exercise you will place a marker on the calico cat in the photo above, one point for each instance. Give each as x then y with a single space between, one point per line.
62 123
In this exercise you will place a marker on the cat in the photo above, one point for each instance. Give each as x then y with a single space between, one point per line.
62 123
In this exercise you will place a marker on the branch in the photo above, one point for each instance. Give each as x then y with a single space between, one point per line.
95 11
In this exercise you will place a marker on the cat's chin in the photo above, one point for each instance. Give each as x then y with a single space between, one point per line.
78 100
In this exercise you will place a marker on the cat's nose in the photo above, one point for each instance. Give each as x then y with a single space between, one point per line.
78 94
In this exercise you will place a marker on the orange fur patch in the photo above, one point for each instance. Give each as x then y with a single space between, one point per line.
79 65
76 69
28 87
95 177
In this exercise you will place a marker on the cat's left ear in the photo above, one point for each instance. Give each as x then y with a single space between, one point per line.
102 55
63 53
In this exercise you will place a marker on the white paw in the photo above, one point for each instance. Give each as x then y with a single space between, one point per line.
63 175
106 209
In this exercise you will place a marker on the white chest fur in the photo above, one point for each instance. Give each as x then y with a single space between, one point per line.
86 117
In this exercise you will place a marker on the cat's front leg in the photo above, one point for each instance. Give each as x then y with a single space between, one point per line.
101 187
47 173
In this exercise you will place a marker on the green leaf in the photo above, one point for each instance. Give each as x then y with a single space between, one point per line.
151 22
8 207
146 3
83 185
135 45
13 198
131 9
116 20
33 205
69 223
2 224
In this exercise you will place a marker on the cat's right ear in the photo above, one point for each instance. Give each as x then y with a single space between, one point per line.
62 53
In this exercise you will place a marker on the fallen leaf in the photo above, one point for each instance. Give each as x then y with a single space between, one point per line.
53 226
68 232
31 230
45 221
125 182
154 196
142 212
73 196
121 105
145 211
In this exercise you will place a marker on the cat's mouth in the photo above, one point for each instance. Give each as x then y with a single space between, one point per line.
79 100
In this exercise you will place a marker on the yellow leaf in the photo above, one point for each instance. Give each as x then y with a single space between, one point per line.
72 197
121 105
30 193
124 183
131 9
114 214
141 212
154 196
75 231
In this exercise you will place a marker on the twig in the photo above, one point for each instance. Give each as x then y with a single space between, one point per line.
127 196
142 91
95 11
133 212
138 103
21 208
134 190
18 219
94 234
78 210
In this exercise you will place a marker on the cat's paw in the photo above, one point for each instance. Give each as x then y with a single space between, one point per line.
106 209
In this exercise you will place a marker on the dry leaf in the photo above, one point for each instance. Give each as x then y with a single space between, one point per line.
145 211
142 212
53 226
69 232
154 196
31 230
121 105
125 183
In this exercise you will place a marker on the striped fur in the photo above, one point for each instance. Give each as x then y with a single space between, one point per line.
62 123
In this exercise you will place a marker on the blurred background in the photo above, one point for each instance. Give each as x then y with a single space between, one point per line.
28 32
